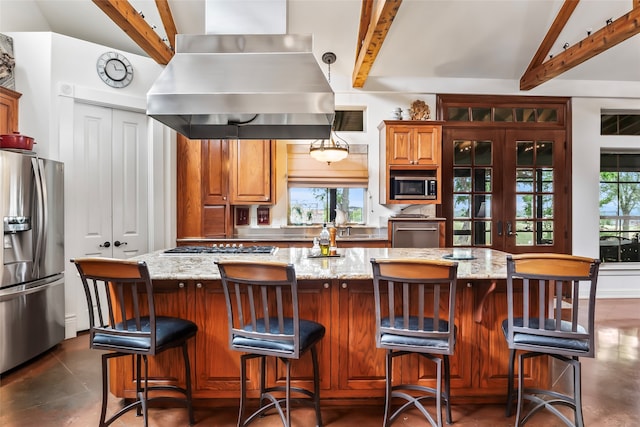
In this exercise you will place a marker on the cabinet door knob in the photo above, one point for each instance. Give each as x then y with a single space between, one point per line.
326 285
344 285
198 285
181 285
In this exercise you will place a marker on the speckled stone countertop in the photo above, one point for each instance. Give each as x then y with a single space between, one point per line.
354 263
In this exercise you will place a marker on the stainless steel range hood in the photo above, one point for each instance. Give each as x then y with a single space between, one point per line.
266 86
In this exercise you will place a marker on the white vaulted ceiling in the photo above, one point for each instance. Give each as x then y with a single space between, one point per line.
470 39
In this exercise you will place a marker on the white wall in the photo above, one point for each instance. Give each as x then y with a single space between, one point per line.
617 279
53 72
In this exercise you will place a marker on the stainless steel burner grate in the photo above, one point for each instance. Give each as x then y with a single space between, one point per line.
235 249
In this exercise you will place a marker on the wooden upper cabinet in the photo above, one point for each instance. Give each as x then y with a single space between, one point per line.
410 149
415 143
250 165
215 171
213 175
8 110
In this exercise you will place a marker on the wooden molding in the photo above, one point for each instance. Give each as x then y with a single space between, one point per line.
167 22
554 31
384 12
127 18
612 34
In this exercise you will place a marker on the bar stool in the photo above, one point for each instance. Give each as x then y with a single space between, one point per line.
262 309
415 310
130 327
549 286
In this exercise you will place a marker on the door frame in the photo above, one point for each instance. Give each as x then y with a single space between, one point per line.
502 129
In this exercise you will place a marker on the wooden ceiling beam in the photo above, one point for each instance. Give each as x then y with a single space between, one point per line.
365 19
612 34
127 18
382 15
167 22
554 32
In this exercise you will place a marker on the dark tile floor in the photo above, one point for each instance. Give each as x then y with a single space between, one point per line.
62 388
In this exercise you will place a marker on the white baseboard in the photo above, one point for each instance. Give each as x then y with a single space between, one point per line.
70 328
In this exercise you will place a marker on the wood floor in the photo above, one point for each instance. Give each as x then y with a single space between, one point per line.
62 388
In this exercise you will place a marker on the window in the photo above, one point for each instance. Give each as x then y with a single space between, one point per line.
619 124
317 205
349 120
502 114
619 206
316 189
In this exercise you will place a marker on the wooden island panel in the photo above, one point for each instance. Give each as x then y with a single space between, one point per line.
350 364
337 292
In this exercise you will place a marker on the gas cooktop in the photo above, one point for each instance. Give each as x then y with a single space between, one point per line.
228 249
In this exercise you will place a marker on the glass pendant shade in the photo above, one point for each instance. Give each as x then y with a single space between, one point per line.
332 150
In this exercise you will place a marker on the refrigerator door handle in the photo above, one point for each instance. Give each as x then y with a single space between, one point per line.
22 290
41 220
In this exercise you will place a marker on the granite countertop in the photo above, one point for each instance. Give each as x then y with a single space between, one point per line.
354 263
285 238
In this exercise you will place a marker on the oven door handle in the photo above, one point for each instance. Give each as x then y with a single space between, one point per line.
416 229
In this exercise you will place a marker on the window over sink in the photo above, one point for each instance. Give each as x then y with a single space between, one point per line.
317 205
315 189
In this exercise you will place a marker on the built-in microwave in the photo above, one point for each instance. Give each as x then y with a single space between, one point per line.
413 188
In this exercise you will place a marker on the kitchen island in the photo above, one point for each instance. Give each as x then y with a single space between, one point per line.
338 293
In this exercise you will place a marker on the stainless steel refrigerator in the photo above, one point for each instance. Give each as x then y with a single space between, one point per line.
32 277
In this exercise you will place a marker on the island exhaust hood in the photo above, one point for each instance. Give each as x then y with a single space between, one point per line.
257 86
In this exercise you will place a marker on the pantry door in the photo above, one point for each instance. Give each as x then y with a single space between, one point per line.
109 181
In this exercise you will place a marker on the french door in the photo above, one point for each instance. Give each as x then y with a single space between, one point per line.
507 189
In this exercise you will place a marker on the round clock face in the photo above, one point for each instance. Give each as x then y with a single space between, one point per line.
114 69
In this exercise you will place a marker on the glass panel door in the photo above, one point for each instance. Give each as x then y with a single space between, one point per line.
505 189
476 158
535 206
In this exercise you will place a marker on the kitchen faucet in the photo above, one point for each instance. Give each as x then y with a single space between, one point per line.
344 231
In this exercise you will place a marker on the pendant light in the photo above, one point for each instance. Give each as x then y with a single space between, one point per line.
332 150
335 148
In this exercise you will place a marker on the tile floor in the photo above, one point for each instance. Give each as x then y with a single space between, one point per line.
62 388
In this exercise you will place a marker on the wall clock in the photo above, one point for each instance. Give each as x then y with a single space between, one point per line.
114 69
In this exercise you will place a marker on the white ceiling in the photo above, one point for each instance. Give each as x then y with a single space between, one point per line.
472 39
